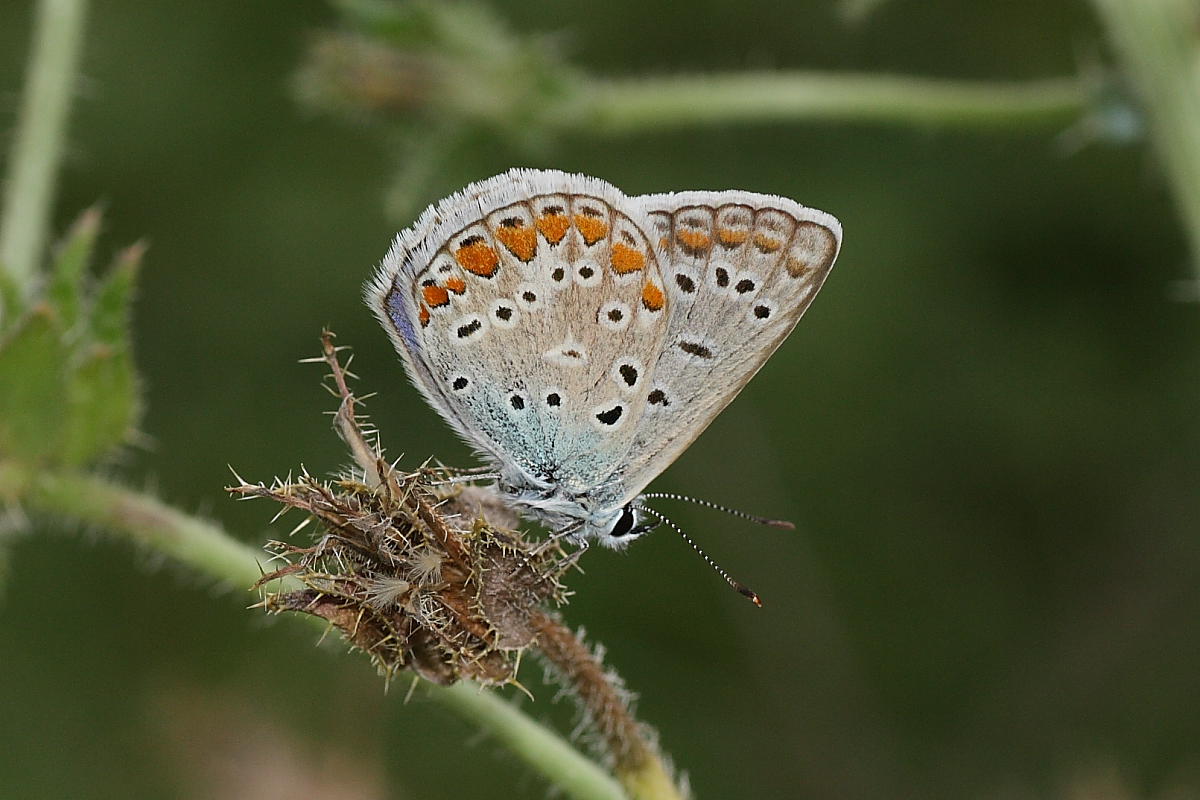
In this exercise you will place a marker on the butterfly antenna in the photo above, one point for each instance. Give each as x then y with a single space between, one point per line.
771 523
738 586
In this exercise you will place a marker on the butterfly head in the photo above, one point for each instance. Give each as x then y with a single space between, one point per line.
624 525
575 518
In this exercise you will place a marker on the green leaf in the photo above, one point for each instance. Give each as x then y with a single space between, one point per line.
33 380
68 388
68 272
102 390
112 308
103 404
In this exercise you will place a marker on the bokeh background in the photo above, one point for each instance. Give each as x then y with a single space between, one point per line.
985 428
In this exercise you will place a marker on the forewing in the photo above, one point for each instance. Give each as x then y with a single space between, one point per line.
740 270
529 310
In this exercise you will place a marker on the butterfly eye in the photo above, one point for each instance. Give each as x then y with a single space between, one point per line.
624 523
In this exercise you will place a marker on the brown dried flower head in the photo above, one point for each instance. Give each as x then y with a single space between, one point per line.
415 580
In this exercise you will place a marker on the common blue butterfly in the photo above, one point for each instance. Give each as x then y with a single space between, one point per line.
581 339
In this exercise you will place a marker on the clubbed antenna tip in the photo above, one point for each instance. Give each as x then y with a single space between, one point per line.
745 591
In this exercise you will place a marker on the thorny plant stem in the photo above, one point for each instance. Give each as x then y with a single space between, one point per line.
39 137
1159 43
206 548
671 102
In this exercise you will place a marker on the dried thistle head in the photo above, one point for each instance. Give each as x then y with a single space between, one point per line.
412 574
410 580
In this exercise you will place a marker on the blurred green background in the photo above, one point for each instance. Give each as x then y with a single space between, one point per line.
985 428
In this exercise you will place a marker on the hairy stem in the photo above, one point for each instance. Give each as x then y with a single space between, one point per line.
1158 42
209 550
38 141
134 516
605 705
553 756
673 102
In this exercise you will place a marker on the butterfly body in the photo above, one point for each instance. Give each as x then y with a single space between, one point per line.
580 339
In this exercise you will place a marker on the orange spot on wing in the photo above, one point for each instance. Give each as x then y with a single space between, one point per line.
797 267
652 297
693 241
766 244
626 259
435 296
520 241
731 238
456 285
553 227
423 316
478 258
591 228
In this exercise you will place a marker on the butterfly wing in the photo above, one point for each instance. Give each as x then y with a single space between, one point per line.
740 270
529 310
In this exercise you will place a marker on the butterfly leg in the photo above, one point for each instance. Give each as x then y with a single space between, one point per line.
490 476
572 560
556 537
441 475
459 470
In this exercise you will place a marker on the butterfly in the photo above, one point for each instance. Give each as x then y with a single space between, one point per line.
580 339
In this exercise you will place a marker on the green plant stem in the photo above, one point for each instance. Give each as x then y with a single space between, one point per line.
206 548
1159 44
38 140
530 741
657 103
136 517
